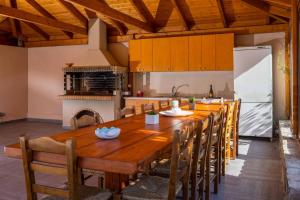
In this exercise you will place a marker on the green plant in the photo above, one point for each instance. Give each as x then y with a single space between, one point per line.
192 99
152 113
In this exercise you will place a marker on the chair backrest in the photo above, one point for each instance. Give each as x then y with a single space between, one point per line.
69 170
229 118
147 107
218 123
201 144
236 115
181 152
85 118
209 106
163 104
128 111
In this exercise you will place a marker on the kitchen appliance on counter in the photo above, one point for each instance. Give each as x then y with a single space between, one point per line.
253 84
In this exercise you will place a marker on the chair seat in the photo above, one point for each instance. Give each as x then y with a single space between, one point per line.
86 193
149 187
163 168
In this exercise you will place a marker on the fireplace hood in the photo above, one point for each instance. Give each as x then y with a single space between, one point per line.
97 54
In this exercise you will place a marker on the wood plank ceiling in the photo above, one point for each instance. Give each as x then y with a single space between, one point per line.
54 22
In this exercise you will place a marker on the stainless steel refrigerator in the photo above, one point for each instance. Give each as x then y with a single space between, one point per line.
253 84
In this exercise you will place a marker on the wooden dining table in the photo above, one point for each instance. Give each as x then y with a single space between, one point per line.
137 145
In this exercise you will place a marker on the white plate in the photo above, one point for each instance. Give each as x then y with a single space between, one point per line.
182 113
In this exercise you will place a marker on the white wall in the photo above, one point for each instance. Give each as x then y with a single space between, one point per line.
45 75
13 82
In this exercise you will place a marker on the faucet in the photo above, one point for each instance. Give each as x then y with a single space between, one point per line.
175 89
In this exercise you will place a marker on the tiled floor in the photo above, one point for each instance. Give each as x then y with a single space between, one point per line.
255 175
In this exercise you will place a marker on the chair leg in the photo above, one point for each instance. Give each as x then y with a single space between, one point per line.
185 188
217 171
194 186
207 179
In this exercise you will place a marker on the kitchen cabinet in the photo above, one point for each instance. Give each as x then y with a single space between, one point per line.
146 55
175 54
179 54
195 53
161 55
135 55
208 51
224 52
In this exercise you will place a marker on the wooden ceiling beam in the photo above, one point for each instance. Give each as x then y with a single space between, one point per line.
282 12
181 14
37 19
3 19
264 8
143 11
45 43
15 24
104 9
38 30
236 30
45 13
282 3
222 14
75 12
117 25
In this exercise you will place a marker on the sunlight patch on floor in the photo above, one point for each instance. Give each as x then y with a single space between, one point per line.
244 147
235 168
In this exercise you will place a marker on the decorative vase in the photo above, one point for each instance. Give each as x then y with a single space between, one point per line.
152 119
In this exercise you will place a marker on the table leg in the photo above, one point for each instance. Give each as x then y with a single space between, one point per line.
116 182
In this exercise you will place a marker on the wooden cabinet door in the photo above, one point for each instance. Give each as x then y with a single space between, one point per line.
208 52
161 55
146 55
135 55
195 53
179 53
224 52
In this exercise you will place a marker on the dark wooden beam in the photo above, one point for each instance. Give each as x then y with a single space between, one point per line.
295 59
222 14
104 9
235 30
180 12
75 12
15 24
38 30
264 8
45 13
37 19
282 12
45 43
143 11
90 14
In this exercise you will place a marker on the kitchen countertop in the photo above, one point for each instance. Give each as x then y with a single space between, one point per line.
167 98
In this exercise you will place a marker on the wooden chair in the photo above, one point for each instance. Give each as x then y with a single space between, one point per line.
85 118
226 138
147 107
213 158
235 133
128 111
156 187
212 107
201 145
70 170
163 104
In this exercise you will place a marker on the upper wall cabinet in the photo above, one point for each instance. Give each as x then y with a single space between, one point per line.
208 52
147 55
161 55
179 53
135 55
194 53
224 52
